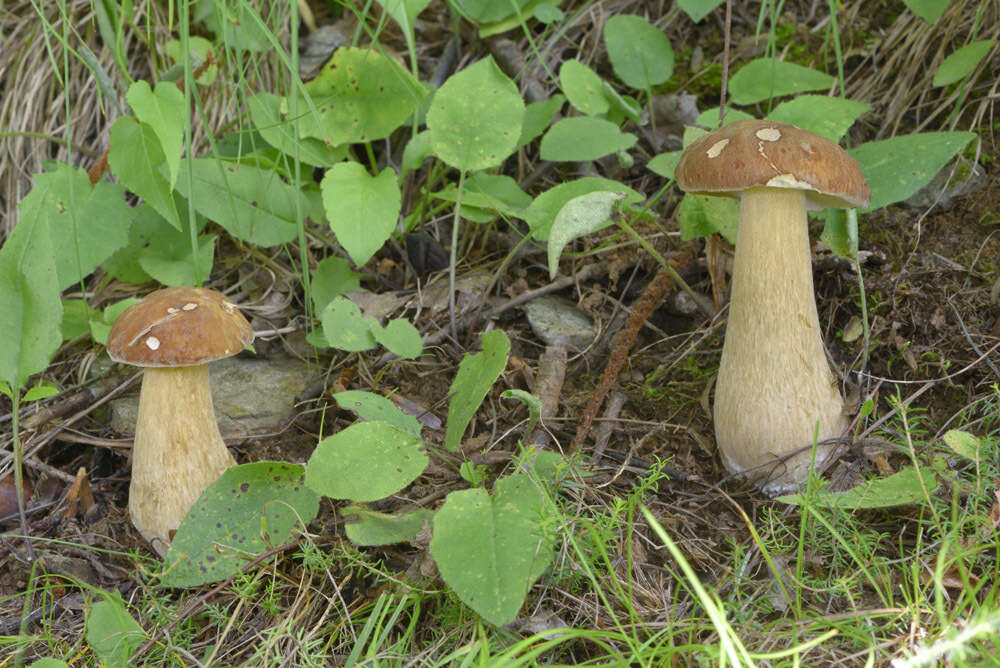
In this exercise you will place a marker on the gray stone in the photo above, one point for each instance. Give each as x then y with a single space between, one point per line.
251 397
557 322
950 183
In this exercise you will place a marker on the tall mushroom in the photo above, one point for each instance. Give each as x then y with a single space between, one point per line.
178 452
775 393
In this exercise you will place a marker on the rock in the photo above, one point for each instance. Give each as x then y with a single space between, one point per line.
250 396
941 191
559 323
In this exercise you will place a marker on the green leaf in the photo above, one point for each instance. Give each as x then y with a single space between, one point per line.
542 212
249 509
134 157
376 408
403 12
530 401
492 192
664 164
417 150
583 88
578 217
399 337
960 64
360 95
896 168
476 117
928 10
237 25
345 328
112 632
900 489
42 391
362 209
476 375
710 119
171 261
162 110
766 78
76 317
253 204
584 138
489 549
371 528
49 663
547 13
537 117
698 9
640 53
489 11
365 462
828 117
85 223
278 131
198 50
331 278
963 443
100 326
701 215
30 308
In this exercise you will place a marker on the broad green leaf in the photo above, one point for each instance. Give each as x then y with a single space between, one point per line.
417 150
765 78
279 131
162 110
253 204
664 164
332 277
701 215
42 391
370 528
198 50
171 261
399 337
146 224
640 53
900 489
489 11
492 192
49 663
897 168
345 328
112 632
537 117
963 443
547 13
135 157
828 117
476 117
100 324
960 64
515 19
250 508
583 88
698 9
367 461
360 95
840 232
76 317
86 223
373 407
362 209
403 12
710 119
476 375
542 212
490 549
579 217
30 308
237 25
584 138
928 10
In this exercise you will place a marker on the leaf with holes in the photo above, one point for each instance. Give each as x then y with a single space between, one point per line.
579 217
249 509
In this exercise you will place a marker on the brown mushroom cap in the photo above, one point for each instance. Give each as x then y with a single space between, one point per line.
179 327
752 153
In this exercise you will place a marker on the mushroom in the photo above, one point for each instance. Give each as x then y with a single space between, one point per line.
178 452
775 395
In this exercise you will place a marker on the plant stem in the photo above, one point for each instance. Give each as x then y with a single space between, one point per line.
454 253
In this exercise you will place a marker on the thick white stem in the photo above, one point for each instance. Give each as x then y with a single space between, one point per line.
774 384
178 450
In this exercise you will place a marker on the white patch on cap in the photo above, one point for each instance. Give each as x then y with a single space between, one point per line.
715 149
806 146
152 343
789 181
171 310
229 307
768 134
190 306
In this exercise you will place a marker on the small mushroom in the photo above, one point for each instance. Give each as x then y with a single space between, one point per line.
775 392
178 452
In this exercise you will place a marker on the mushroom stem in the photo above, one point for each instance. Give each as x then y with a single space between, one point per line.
178 450
774 383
